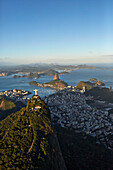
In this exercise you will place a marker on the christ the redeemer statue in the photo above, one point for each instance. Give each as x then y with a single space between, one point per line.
35 92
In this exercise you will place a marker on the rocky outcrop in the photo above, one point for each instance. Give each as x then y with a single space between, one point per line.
99 83
56 77
93 79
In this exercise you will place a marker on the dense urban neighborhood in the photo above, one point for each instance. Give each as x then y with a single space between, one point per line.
70 110
16 95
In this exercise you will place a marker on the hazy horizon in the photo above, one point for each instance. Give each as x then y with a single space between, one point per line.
7 64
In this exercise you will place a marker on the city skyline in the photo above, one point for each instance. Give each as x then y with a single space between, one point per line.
50 31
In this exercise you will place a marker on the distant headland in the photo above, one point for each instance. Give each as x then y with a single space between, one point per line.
37 70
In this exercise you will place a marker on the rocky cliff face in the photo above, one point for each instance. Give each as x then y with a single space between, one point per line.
56 77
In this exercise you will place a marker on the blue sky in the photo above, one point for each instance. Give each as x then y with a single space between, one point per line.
62 31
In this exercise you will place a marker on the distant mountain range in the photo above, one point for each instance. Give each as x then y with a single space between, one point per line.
42 68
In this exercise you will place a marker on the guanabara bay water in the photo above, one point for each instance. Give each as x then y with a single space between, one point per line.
10 83
72 79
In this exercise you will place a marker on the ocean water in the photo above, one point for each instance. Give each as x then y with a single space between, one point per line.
10 83
73 78
106 76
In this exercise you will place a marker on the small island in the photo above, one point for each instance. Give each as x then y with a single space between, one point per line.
30 75
93 79
56 83
16 76
97 82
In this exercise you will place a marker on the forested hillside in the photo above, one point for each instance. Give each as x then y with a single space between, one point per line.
24 137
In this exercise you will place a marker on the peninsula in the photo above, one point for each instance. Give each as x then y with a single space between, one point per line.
56 83
89 85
